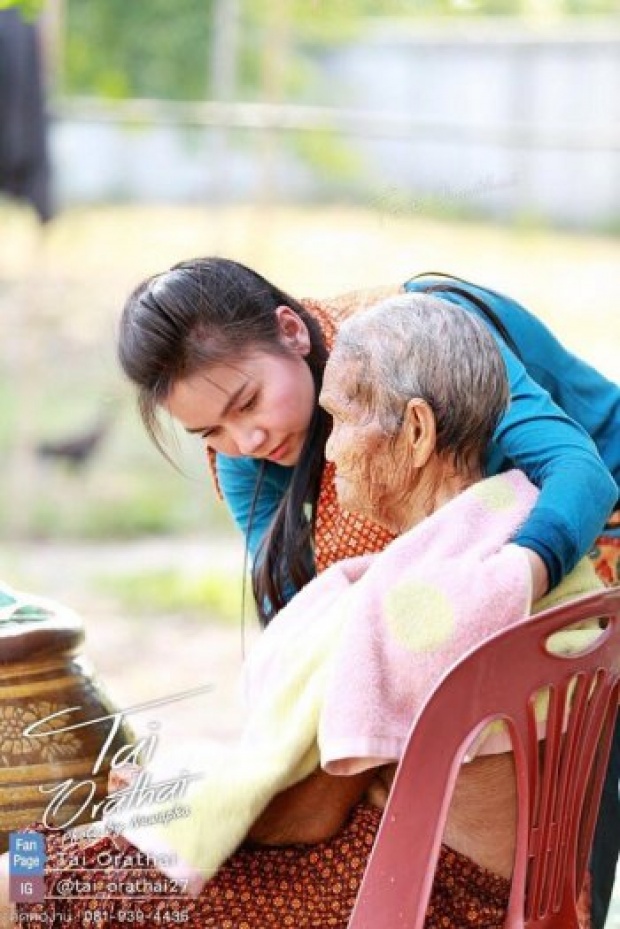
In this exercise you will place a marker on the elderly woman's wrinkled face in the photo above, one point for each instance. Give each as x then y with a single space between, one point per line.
373 476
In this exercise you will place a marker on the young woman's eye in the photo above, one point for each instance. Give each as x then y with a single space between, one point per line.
210 434
249 404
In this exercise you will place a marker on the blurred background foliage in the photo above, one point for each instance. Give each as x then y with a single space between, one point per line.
118 50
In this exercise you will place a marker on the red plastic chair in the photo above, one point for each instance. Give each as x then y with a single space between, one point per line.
558 796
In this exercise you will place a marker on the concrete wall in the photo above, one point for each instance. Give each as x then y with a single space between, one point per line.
512 121
487 117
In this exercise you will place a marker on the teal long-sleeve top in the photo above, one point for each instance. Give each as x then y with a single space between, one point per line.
562 429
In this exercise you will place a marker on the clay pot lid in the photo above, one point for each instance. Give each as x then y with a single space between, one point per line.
31 625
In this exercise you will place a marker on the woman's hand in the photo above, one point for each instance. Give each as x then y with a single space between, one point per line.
378 790
540 575
123 777
311 811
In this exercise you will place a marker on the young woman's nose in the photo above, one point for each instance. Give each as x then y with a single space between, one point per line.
251 441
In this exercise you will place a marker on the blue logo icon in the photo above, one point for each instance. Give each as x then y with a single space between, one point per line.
26 853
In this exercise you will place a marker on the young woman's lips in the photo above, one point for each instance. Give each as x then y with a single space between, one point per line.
280 452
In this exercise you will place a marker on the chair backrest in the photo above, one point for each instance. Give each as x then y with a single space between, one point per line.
558 789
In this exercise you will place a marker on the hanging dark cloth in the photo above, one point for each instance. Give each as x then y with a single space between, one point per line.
24 165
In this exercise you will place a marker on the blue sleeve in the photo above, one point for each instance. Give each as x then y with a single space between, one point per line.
577 492
238 479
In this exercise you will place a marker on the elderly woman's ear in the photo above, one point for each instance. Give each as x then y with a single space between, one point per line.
419 431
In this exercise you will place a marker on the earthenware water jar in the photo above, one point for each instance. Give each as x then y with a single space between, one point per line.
56 743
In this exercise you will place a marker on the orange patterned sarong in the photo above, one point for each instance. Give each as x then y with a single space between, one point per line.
300 886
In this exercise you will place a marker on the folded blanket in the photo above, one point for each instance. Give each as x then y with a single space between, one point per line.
340 672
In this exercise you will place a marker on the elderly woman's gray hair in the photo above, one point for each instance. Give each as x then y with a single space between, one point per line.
420 346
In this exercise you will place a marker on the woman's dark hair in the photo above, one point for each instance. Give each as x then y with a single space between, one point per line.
201 313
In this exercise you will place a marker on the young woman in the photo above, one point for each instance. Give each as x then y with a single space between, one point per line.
239 363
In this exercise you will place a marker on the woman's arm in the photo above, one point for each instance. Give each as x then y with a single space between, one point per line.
577 492
537 436
311 811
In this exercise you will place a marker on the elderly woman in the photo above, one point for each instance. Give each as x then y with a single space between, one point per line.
415 388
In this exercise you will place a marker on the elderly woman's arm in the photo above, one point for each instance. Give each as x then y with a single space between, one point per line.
311 811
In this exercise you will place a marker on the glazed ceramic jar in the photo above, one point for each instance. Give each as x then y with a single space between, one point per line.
58 733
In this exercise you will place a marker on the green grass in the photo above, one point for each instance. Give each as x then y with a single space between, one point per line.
126 490
216 595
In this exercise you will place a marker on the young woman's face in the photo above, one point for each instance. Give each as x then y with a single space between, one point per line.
258 406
